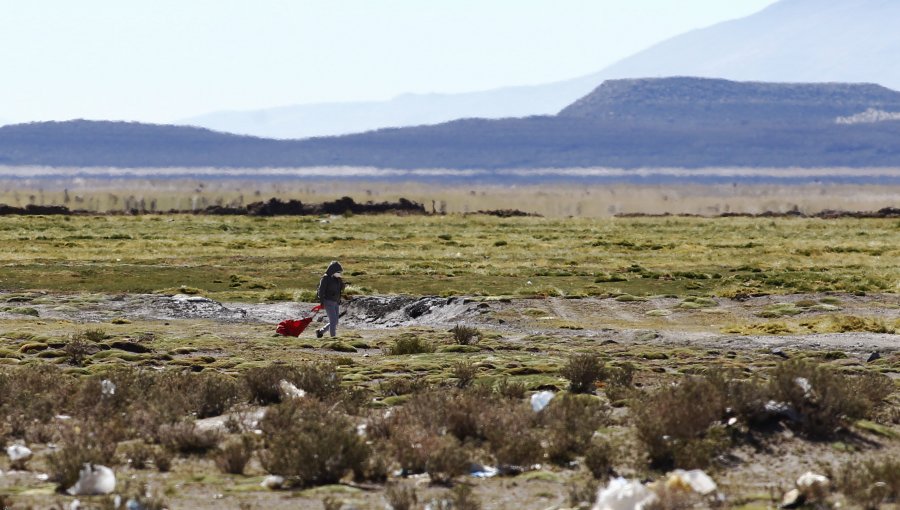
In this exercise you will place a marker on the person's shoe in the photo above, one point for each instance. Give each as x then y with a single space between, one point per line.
319 333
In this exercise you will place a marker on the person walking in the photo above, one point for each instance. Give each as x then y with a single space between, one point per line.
329 295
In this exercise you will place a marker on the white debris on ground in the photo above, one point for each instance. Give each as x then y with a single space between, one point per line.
93 479
18 452
694 480
107 387
540 400
273 482
288 390
622 494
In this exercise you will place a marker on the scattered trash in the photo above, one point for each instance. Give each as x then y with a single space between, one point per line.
273 482
694 480
540 400
107 387
811 484
622 494
781 410
42 477
361 429
873 357
792 499
777 351
804 385
479 471
93 479
75 505
288 390
18 452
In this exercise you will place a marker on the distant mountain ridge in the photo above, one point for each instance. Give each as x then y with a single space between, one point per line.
669 122
790 41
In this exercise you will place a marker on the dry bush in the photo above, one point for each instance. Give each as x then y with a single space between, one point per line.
825 399
570 422
869 483
82 442
411 445
583 494
94 335
583 371
402 385
262 382
33 394
233 456
77 349
213 393
461 498
514 390
675 423
401 497
619 382
447 461
408 344
184 437
512 434
311 443
162 459
464 372
321 380
598 459
465 335
137 454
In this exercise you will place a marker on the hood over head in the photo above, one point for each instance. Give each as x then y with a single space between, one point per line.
334 267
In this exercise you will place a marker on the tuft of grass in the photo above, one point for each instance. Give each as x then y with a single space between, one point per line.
465 335
409 343
583 371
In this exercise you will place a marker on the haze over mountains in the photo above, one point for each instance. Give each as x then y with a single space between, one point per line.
790 41
666 122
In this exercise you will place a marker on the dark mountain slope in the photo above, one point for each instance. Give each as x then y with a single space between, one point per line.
684 122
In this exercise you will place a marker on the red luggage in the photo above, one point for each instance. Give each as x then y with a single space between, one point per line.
293 327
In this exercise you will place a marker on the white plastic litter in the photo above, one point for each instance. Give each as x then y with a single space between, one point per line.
272 482
93 479
804 385
622 494
694 480
289 390
18 452
810 480
107 387
540 400
479 471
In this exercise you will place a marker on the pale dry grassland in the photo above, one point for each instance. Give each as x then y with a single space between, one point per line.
552 200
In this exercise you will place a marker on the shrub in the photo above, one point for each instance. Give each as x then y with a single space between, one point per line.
310 443
465 335
162 459
94 335
214 393
869 483
81 443
464 372
461 498
401 496
582 371
447 461
184 437
512 436
598 459
619 382
320 380
137 454
77 349
570 422
674 423
409 344
512 390
824 398
233 456
262 382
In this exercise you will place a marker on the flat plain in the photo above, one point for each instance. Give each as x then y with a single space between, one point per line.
453 322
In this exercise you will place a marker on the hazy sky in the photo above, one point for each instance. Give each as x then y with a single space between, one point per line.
162 60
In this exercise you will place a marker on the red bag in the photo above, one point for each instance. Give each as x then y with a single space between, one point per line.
293 327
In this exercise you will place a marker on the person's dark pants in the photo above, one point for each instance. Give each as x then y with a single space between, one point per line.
331 309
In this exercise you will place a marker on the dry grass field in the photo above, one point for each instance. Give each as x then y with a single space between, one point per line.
755 349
